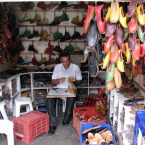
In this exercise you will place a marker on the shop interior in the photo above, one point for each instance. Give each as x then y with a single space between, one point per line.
105 39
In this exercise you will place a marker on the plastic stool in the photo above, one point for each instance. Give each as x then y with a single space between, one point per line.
2 110
63 105
6 127
22 101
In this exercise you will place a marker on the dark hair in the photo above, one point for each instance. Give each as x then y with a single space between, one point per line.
64 54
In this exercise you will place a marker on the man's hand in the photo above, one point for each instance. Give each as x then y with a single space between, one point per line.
61 80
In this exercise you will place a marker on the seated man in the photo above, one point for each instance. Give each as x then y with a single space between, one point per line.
60 76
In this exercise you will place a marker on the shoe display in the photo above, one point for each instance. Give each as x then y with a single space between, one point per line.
44 35
127 53
140 15
122 18
27 18
132 41
65 37
34 35
42 6
110 72
63 4
114 12
110 29
92 36
89 17
106 60
119 35
142 49
136 50
117 78
101 24
120 62
31 48
141 34
76 35
132 7
57 36
63 17
133 24
107 14
36 19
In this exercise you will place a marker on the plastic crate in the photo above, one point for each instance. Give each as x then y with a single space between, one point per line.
89 125
139 128
27 127
91 111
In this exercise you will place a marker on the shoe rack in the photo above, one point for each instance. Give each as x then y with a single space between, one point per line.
40 42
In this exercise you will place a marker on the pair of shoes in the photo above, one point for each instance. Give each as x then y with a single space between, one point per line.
52 129
65 123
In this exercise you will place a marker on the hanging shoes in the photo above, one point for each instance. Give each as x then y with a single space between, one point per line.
142 49
93 67
36 19
108 15
132 41
114 52
65 37
122 18
136 50
140 15
99 54
120 62
110 72
110 29
42 6
107 44
131 8
127 53
92 36
141 34
76 35
117 78
133 24
106 60
114 14
89 17
27 33
101 24
119 35
57 36
34 35
85 54
44 35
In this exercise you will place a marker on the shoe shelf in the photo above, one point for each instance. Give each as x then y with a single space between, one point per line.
73 41
47 25
55 10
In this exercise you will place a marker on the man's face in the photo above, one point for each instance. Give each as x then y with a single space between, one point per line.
65 61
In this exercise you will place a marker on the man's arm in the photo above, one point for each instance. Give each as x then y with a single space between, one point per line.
58 81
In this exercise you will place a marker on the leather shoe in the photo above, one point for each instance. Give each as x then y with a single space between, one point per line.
52 129
65 123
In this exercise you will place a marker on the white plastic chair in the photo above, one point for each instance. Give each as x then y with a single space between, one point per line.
63 105
2 110
18 102
6 127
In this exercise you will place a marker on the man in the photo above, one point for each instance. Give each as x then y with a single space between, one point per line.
60 76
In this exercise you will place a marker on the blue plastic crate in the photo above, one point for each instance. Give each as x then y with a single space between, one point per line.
89 125
139 124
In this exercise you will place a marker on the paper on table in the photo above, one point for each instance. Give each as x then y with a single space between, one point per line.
60 92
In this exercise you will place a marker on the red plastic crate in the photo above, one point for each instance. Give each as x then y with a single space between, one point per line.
27 127
90 111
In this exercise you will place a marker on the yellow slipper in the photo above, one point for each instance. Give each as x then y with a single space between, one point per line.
106 60
120 62
117 78
122 18
114 14
127 53
108 14
140 15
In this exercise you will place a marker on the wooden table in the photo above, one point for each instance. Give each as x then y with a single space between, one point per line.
59 93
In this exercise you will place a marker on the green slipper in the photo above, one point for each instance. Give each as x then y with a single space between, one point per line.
57 35
140 34
27 33
110 72
26 18
63 17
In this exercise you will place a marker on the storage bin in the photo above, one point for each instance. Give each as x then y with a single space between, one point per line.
27 127
88 112
89 125
139 128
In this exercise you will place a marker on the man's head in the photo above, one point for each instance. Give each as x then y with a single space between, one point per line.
65 59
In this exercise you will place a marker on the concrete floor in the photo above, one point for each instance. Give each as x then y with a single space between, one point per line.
65 135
